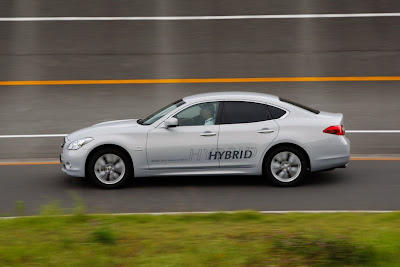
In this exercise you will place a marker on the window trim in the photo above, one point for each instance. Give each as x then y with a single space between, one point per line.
269 117
219 112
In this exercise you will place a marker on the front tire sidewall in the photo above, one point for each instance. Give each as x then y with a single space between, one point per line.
125 158
267 166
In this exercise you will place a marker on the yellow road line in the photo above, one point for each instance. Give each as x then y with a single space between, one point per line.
57 163
375 159
206 80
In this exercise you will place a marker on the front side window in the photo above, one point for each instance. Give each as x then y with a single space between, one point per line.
243 112
161 113
200 114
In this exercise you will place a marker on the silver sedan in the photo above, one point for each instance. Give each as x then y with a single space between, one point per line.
227 133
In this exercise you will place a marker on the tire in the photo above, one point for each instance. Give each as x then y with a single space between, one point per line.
285 166
109 168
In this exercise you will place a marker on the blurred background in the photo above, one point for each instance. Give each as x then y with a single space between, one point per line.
160 49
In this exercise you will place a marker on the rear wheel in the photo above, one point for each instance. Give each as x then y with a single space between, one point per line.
285 166
109 167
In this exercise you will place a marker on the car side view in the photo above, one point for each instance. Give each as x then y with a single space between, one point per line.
225 133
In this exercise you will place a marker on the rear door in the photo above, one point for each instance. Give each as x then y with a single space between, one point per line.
245 132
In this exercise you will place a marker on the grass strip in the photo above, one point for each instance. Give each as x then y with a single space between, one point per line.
245 238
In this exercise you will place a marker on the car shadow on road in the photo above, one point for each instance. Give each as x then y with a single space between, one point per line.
313 179
325 178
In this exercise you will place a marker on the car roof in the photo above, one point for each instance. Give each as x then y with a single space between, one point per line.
231 96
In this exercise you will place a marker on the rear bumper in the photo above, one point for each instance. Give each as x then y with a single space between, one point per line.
330 163
334 155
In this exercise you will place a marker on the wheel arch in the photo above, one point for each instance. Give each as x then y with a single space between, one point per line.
94 150
287 144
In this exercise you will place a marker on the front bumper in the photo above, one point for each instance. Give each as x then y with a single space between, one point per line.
73 161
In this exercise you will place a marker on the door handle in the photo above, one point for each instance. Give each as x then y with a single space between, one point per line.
266 130
208 133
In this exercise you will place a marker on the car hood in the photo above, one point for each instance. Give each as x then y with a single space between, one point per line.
103 128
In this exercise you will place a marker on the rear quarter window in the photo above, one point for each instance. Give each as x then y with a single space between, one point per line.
276 113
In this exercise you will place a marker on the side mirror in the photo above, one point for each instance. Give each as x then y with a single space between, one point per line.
171 122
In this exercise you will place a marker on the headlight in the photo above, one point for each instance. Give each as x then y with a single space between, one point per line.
79 143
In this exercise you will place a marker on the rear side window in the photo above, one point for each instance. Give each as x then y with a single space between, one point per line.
243 112
299 105
276 113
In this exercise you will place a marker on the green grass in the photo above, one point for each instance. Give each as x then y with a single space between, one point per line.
239 239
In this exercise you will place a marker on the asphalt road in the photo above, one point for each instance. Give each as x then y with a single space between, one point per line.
60 109
27 8
364 185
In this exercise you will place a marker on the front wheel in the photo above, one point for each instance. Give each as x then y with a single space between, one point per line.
109 168
285 166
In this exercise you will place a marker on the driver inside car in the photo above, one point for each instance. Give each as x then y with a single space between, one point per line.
206 116
201 114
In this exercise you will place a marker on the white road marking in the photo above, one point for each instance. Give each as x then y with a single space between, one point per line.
32 135
62 135
213 212
232 17
372 131
263 212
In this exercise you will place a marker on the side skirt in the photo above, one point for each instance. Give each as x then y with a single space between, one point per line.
198 172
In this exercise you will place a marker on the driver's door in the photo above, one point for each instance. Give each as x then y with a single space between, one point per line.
188 145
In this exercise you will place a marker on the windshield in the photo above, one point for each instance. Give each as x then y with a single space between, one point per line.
160 113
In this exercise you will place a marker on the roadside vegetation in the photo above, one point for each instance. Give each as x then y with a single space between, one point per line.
244 238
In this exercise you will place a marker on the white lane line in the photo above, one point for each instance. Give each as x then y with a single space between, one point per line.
63 135
232 17
372 131
263 212
213 212
32 135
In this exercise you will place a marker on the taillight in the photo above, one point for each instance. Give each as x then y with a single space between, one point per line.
337 129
